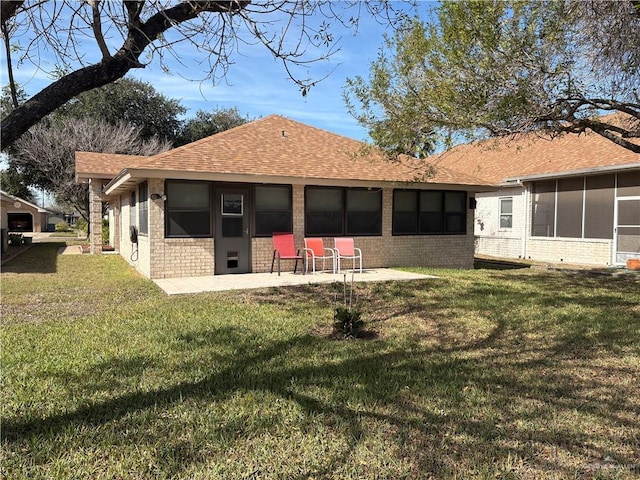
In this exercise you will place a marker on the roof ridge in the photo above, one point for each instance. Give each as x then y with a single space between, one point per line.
198 142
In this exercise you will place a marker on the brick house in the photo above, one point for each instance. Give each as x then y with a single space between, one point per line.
210 207
572 199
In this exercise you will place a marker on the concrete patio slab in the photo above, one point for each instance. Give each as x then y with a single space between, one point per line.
218 283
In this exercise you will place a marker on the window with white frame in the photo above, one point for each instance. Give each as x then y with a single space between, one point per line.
143 208
132 209
506 212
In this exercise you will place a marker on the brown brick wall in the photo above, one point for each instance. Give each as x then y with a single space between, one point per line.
159 257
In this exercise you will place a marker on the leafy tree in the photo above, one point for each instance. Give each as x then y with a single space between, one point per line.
504 67
127 34
46 154
205 124
133 102
9 100
13 183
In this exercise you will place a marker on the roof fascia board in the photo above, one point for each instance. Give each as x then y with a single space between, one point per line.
84 177
122 178
142 174
571 173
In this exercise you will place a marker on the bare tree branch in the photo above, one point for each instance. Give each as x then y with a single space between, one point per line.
140 35
97 28
46 154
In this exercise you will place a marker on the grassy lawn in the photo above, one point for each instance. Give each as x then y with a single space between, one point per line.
485 374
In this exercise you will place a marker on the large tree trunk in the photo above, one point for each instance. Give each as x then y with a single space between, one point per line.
59 93
110 68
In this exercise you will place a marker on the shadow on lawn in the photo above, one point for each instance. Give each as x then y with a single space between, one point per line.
40 258
464 400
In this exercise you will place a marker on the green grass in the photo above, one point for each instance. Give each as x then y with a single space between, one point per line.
481 374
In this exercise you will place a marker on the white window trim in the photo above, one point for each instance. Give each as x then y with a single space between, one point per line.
500 214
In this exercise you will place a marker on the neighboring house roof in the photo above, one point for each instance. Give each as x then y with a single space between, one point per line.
498 161
273 149
13 200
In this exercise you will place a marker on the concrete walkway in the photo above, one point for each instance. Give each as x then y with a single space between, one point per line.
217 283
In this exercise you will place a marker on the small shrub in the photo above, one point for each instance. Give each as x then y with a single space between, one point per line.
347 321
82 225
62 227
15 239
105 231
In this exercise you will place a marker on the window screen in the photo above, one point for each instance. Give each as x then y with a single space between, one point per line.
629 184
343 211
364 212
429 212
405 212
569 208
188 208
455 212
324 211
431 219
273 212
544 207
598 206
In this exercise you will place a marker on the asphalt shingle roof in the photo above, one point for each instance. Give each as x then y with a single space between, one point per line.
276 146
495 160
104 165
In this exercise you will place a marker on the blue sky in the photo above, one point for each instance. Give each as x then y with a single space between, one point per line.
256 83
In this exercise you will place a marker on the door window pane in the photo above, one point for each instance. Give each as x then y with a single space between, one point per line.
232 203
232 226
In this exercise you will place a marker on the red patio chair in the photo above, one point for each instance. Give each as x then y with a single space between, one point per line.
314 249
284 249
345 249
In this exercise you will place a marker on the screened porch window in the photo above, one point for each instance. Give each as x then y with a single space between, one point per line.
429 212
580 207
188 209
273 209
343 211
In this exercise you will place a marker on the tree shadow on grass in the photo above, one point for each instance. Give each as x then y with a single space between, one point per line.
456 404
40 258
445 410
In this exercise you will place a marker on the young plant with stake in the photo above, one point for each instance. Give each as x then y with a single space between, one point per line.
347 318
